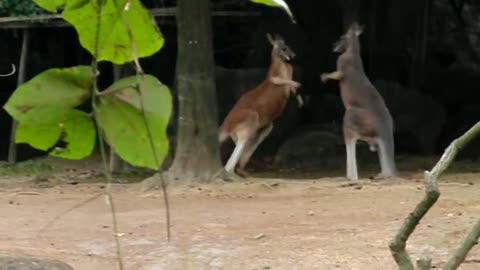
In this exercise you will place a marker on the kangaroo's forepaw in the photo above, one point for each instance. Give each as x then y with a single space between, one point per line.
296 84
324 77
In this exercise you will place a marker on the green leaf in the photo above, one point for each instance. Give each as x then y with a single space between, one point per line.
41 136
50 5
49 95
80 135
276 3
114 41
121 119
75 128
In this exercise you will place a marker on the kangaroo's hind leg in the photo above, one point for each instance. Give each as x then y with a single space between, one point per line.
252 146
350 138
386 153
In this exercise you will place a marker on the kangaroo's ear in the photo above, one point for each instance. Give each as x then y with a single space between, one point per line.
359 30
270 39
356 28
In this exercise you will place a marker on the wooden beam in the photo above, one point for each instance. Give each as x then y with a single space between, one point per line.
56 20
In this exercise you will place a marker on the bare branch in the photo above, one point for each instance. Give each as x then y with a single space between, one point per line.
398 244
461 253
424 264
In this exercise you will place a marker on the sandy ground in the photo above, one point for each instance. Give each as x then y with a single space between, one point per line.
258 224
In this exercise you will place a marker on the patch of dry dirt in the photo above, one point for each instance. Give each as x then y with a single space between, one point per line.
260 224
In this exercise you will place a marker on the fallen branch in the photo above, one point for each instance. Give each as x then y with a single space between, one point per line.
424 264
461 253
398 243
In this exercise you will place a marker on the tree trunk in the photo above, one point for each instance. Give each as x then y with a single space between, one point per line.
421 39
197 155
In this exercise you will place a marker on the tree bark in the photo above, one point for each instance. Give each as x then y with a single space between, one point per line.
197 155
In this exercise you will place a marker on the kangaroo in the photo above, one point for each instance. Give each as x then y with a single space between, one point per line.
249 122
366 116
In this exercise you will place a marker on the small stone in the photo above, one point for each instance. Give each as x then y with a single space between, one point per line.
311 213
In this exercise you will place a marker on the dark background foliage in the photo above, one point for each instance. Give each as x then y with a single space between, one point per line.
422 55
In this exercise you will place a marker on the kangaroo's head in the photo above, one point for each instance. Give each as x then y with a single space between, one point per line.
280 48
352 34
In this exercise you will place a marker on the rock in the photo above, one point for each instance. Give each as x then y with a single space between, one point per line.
418 118
309 147
457 125
26 262
320 148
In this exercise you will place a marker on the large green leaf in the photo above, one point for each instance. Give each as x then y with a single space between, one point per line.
50 5
114 42
121 119
49 95
276 3
38 135
75 129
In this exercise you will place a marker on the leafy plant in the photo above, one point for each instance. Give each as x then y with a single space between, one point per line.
129 113
276 3
19 8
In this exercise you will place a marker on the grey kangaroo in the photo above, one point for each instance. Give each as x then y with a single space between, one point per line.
366 115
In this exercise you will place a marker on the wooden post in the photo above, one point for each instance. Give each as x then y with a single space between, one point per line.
12 150
116 164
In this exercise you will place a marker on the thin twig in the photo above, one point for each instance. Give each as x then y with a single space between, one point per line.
68 210
461 253
108 191
139 71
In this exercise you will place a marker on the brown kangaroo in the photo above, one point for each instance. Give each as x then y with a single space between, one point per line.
249 122
366 116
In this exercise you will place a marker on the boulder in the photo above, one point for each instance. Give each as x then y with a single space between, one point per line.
26 262
418 118
457 125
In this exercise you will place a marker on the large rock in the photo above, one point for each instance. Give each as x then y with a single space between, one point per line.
457 125
419 120
416 116
25 262
310 147
324 149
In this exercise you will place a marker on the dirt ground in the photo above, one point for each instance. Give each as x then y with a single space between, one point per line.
262 223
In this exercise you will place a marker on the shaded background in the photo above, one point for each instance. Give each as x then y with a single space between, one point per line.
423 56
